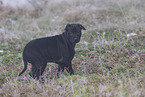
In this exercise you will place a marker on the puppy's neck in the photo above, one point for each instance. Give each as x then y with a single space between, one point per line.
67 40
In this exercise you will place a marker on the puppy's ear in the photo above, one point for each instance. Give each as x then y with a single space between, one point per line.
82 27
67 27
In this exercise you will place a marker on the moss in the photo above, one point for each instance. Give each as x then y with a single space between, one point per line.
86 91
118 71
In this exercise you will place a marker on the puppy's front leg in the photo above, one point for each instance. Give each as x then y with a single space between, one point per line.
60 70
70 69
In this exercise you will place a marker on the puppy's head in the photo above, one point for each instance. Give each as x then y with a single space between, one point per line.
74 32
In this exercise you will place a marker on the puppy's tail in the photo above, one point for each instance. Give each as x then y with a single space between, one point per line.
25 67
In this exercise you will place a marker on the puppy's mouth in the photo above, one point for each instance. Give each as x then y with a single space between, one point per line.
76 40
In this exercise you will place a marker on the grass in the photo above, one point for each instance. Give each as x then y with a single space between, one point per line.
108 62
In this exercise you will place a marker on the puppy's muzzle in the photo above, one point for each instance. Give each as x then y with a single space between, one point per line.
76 39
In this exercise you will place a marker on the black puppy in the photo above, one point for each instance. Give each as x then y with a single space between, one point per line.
58 49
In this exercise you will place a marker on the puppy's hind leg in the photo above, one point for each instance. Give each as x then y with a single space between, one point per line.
37 69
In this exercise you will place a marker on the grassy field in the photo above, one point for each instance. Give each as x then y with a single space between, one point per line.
109 59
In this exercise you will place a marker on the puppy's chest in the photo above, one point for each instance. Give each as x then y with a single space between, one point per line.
66 55
66 51
64 59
